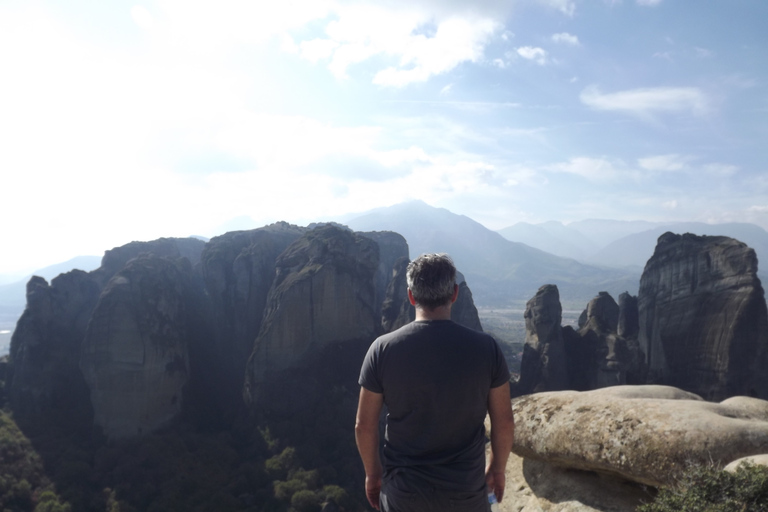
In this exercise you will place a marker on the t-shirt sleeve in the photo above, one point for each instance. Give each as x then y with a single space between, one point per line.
500 371
369 373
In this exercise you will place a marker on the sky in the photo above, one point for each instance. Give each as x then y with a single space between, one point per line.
124 121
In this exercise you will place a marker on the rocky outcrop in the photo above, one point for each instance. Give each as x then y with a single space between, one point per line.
463 310
647 434
173 248
238 269
180 327
44 378
606 353
135 356
543 366
558 358
323 294
396 310
392 248
702 317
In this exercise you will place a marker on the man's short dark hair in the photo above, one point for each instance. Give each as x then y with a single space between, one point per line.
431 279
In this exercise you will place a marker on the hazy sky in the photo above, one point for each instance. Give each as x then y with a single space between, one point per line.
126 121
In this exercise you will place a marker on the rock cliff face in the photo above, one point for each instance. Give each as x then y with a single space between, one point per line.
396 310
238 269
558 358
543 367
392 247
43 376
174 327
135 356
323 294
702 317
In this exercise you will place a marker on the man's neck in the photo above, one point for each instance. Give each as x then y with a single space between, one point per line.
439 313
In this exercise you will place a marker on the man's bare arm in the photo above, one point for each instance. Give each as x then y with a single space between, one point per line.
502 437
367 437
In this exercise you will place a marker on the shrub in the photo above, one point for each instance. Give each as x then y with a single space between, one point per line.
305 501
709 489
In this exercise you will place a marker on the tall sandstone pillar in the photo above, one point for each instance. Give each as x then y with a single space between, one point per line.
703 319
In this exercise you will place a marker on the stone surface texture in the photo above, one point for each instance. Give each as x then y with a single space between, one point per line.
238 269
702 315
646 434
135 354
543 366
323 293
43 373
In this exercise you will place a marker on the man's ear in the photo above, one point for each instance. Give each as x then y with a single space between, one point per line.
410 298
455 293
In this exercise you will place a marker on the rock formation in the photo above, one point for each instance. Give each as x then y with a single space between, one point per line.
396 310
558 358
135 355
178 326
392 247
323 294
647 434
607 353
543 366
43 373
463 310
238 269
702 316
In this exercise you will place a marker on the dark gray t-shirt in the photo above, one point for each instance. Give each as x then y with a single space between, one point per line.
435 377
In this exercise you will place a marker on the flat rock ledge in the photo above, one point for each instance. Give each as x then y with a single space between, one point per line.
645 434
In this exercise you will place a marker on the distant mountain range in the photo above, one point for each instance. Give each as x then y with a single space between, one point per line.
497 270
624 244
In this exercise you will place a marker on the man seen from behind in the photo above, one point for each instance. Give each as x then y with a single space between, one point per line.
438 380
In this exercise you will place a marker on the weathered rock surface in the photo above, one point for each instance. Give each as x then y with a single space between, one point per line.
392 247
463 310
396 310
543 366
607 354
323 294
173 248
238 269
647 434
135 353
43 372
703 319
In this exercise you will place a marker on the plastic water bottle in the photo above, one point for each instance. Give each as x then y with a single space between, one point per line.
492 500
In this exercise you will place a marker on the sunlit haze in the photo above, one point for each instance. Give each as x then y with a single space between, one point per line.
124 121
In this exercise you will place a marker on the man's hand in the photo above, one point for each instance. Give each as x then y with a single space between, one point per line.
496 481
373 490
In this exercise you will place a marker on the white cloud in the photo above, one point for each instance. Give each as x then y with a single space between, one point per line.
649 100
648 2
538 55
593 169
670 162
566 38
670 205
364 31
